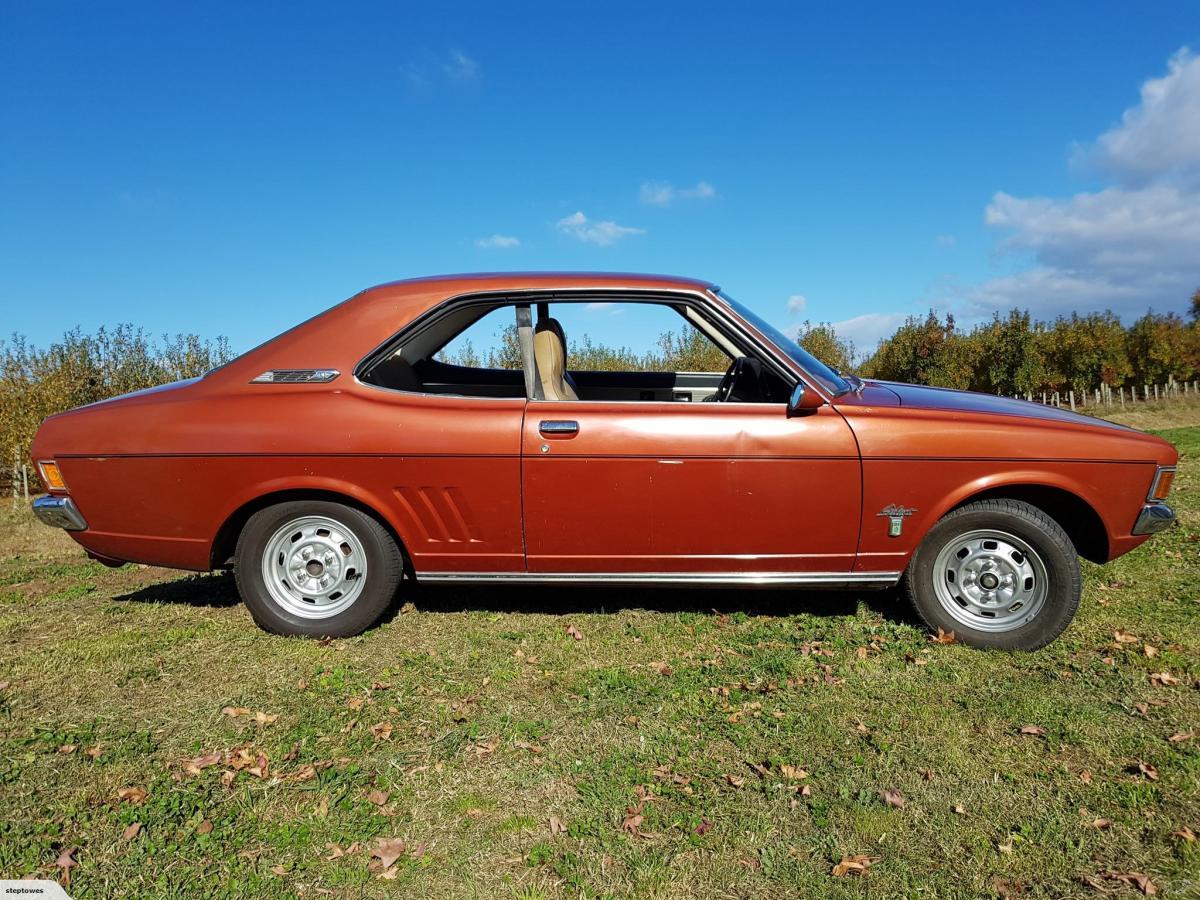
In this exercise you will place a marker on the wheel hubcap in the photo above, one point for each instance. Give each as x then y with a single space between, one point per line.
314 567
990 580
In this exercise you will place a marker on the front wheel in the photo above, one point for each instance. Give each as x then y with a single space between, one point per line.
998 573
316 568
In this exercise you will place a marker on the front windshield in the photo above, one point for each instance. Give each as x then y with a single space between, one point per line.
829 379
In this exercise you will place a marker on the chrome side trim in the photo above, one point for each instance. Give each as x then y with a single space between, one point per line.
1153 518
59 512
296 376
694 579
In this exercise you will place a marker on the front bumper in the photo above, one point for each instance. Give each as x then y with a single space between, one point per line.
1153 518
59 512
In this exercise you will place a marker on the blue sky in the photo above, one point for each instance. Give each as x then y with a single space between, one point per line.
234 168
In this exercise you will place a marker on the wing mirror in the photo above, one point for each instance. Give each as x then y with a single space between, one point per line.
803 401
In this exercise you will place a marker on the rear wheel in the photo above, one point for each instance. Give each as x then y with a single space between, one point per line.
316 568
998 573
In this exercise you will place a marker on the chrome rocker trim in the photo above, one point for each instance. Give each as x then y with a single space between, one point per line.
59 512
1153 518
682 579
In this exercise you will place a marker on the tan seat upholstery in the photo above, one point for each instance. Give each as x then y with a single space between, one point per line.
550 351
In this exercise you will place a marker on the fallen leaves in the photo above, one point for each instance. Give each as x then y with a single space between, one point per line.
704 827
1185 834
131 831
379 798
853 865
134 795
1085 776
1145 768
67 749
892 797
661 668
557 826
66 862
943 637
575 632
195 765
1124 637
382 731
1133 879
1163 679
93 753
1102 824
204 827
735 781
387 851
1181 736
1036 730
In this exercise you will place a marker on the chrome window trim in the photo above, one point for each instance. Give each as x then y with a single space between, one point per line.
707 302
695 579
1158 474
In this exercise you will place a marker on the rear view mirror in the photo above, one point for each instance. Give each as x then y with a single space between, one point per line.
803 401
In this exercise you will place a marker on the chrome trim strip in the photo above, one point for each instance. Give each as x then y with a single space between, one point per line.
1158 474
697 579
296 376
59 512
1153 518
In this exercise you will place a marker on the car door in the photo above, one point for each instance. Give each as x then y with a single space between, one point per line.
662 487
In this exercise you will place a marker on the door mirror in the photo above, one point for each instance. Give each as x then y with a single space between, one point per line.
803 401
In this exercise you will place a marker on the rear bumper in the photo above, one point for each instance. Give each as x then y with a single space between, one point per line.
59 512
1153 518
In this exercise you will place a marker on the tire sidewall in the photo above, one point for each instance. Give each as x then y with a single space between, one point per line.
376 596
1044 537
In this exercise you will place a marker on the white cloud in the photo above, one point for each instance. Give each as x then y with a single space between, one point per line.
866 331
602 233
461 67
1130 245
498 242
797 303
661 193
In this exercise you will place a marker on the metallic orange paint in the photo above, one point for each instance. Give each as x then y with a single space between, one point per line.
465 485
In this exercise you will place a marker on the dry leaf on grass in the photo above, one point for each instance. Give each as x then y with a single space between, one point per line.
792 773
65 862
379 798
1124 637
892 797
535 749
234 711
1102 824
853 865
1085 776
382 731
93 753
1036 730
1150 651
1136 880
1181 736
704 827
735 781
943 637
134 795
387 851
958 810
204 827
131 831
263 718
1163 679
66 749
1185 834
575 632
195 765
661 668
1145 768
557 826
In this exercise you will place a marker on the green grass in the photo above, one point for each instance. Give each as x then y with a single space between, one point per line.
501 723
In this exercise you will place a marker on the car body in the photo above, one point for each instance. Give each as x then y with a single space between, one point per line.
832 485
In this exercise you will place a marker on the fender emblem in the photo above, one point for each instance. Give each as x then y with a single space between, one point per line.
896 516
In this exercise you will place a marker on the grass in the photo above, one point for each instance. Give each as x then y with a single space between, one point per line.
751 732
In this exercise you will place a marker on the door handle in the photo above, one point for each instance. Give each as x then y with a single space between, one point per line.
558 426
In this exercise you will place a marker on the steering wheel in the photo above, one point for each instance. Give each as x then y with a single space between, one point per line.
735 372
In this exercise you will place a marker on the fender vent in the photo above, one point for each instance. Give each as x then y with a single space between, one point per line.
296 376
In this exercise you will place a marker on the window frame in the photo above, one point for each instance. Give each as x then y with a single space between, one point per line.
718 313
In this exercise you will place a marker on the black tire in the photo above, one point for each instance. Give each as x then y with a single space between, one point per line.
1040 533
384 568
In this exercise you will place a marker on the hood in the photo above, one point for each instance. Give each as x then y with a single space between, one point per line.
917 396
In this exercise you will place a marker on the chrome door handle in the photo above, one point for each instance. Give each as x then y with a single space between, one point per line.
558 426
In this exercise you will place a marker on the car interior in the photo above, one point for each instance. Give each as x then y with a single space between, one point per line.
418 361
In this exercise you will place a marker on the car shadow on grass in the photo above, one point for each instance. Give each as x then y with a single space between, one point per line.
565 599
215 591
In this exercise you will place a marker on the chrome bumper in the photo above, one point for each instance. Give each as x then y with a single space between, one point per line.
1153 518
59 512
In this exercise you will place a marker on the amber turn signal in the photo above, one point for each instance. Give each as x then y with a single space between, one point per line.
51 476
1162 484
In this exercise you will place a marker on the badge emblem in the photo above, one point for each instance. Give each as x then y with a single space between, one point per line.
895 516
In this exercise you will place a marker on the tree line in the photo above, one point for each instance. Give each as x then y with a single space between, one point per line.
1010 354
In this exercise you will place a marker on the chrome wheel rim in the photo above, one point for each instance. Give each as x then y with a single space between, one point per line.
990 580
314 567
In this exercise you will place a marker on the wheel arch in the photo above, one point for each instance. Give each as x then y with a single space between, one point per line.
225 541
1075 515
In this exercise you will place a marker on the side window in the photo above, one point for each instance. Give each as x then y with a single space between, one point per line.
489 343
635 337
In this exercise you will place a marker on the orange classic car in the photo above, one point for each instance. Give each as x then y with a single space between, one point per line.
375 445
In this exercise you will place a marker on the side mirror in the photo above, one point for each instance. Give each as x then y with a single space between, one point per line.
803 401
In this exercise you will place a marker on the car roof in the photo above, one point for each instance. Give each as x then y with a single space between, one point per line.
515 281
